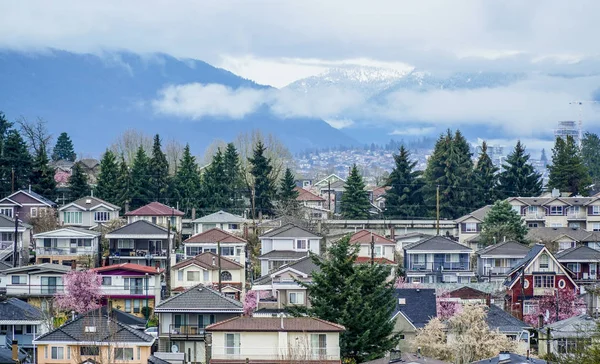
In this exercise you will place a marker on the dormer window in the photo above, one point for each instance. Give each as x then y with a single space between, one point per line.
532 209
544 261
301 244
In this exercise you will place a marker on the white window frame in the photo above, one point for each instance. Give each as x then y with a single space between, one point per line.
7 211
301 242
191 275
574 267
544 281
180 275
233 226
517 209
72 217
105 216
33 212
236 348
454 258
298 298
556 210
544 261
529 307
596 226
532 209
596 210
107 281
121 244
317 350
57 353
123 354
470 227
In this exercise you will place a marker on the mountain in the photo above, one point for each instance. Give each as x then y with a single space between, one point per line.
94 98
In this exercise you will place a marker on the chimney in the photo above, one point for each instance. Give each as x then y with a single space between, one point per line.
74 264
193 213
72 315
555 192
281 318
92 192
29 188
126 207
15 351
213 261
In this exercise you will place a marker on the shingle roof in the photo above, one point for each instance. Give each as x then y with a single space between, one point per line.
304 265
215 235
306 195
578 253
39 268
219 216
140 227
532 253
479 214
511 358
123 317
499 319
420 305
6 356
15 309
285 324
93 202
505 248
289 231
437 243
365 236
38 197
208 260
129 267
413 234
155 209
106 330
379 260
283 254
66 230
8 222
155 360
200 298
548 234
573 326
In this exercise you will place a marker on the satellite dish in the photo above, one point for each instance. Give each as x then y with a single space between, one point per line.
547 315
174 348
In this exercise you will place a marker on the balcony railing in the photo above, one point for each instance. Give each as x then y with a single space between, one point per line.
33 290
577 215
131 291
295 354
586 277
65 251
539 215
496 271
139 253
543 291
186 331
4 244
441 266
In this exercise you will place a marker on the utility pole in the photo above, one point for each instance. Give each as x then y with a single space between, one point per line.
372 249
329 193
15 258
168 265
437 209
13 180
219 262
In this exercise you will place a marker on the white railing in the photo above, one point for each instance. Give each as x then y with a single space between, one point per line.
534 215
496 270
26 289
543 291
300 354
64 251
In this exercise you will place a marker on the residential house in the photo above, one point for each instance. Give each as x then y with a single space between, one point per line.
583 262
140 242
222 220
510 358
232 246
35 284
378 196
26 205
469 295
91 167
314 207
67 245
280 288
275 339
384 248
561 238
94 338
405 357
130 287
469 227
284 245
567 336
414 308
536 275
22 322
87 212
495 261
403 240
158 214
123 317
331 189
204 268
7 239
510 326
436 260
184 317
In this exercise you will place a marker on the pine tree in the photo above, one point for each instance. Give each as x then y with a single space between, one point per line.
78 183
42 177
63 150
485 179
264 185
568 172
213 185
123 186
5 126
107 185
355 199
187 181
140 188
502 223
404 198
358 296
233 177
158 169
519 178
590 152
288 194
15 157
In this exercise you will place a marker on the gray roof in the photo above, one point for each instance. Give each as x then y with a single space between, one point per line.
407 358
506 248
93 202
437 243
200 298
71 228
304 265
578 253
548 234
140 227
6 356
420 305
499 319
283 254
510 358
219 216
573 326
539 201
155 360
531 254
479 214
289 231
39 197
39 268
106 330
412 234
15 309
8 222
123 317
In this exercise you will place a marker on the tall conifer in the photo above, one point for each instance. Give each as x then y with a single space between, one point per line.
140 192
158 170
42 177
264 186
519 178
355 199
78 183
485 179
568 173
404 199
187 181
107 187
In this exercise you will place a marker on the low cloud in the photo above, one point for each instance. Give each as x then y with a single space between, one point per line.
413 131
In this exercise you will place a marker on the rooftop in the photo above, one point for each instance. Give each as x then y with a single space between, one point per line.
289 231
276 324
155 209
506 248
143 269
90 203
437 243
215 235
220 216
306 195
140 227
200 298
578 254
419 304
209 261
366 237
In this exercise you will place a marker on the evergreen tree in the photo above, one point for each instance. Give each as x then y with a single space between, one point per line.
107 187
213 185
502 223
5 126
233 178
358 296
568 172
187 181
264 185
140 191
544 158
355 199
288 194
519 178
15 157
42 177
123 186
63 150
158 169
78 183
404 198
485 179
590 152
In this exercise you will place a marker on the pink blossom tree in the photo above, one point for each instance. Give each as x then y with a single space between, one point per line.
82 292
250 302
569 305
446 306
402 283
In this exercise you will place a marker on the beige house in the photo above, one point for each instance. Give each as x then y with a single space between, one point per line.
87 212
68 244
158 214
414 308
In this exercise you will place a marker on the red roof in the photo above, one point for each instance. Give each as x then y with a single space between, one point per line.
129 267
363 260
364 237
215 235
305 195
208 260
289 324
379 191
155 209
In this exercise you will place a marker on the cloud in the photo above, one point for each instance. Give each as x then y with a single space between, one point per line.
414 131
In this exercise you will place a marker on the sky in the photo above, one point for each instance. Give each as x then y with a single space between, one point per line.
279 42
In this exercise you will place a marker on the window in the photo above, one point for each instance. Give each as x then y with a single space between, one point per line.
192 251
6 211
556 210
180 275
210 250
573 210
543 282
556 225
57 352
139 353
193 276
471 227
205 320
378 250
532 225
72 217
517 209
529 307
532 210
232 344
89 350
301 244
125 244
234 226
544 261
7 237
33 212
107 281
318 344
101 216
136 306
574 267
565 245
123 353
206 276
418 258
452 258
226 276
595 210
574 225
596 227
127 305
19 279
228 250
594 245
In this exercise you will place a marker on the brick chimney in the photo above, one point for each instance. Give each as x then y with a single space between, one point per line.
15 350
73 264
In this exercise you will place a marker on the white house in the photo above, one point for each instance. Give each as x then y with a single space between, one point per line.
7 237
65 245
87 212
286 244
220 220
35 284
232 246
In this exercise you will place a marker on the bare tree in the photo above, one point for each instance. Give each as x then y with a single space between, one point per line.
36 134
174 151
211 150
128 143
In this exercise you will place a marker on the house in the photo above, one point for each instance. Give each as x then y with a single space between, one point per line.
510 358
405 357
436 260
26 205
510 326
184 317
140 242
131 287
331 189
469 226
469 295
403 240
280 288
566 335
414 308
384 248
87 212
7 239
314 207
123 317
495 261
35 284
222 220
583 262
378 196
67 245
537 274
284 245
232 246
93 338
22 322
204 268
91 167
561 238
275 339
158 214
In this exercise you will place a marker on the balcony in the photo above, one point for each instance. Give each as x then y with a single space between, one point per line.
576 216
139 253
537 291
64 251
33 290
439 266
131 291
496 271
186 332
302 353
538 215
586 277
